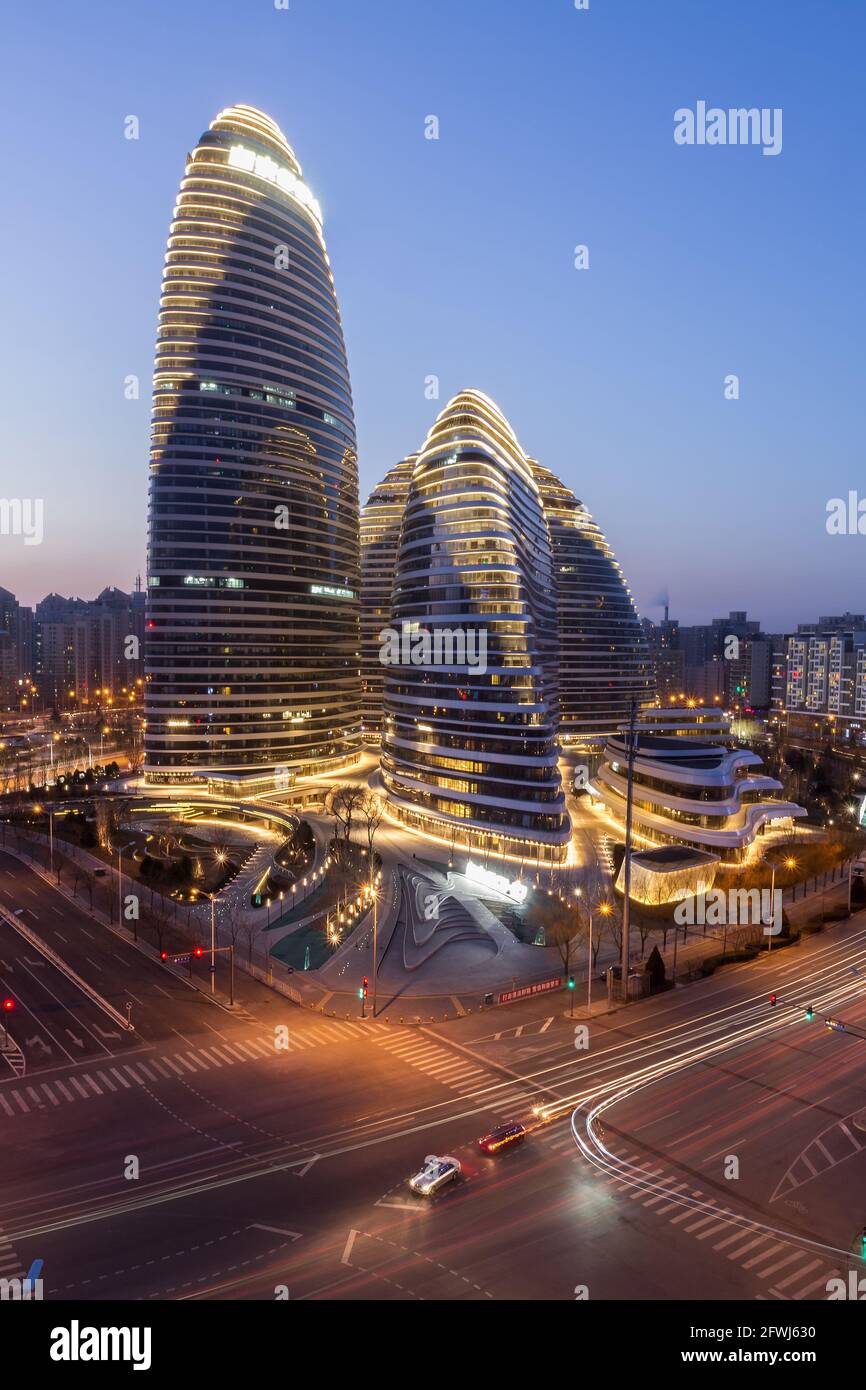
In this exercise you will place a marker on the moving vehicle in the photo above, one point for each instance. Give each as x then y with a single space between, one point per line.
501 1137
435 1174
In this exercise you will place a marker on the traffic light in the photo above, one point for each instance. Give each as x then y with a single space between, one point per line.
163 955
198 951
8 1005
863 1244
810 1012
365 988
571 982
773 1000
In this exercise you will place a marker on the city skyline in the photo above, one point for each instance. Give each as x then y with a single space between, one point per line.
433 849
624 382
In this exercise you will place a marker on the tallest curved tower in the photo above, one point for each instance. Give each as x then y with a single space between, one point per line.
253 612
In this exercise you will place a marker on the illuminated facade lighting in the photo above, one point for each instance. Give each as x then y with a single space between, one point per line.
474 556
253 615
603 658
381 521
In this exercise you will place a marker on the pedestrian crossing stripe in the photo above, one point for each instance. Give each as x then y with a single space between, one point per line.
762 1253
43 1096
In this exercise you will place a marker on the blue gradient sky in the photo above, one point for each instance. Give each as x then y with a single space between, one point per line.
456 258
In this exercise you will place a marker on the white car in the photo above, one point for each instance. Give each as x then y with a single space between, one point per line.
434 1175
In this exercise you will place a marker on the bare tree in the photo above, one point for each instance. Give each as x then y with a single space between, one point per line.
561 922
233 911
252 928
160 922
344 803
371 808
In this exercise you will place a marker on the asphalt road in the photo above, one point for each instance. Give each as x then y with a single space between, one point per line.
214 1155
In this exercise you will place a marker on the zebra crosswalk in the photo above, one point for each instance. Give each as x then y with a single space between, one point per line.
459 1073
117 1076
10 1265
786 1269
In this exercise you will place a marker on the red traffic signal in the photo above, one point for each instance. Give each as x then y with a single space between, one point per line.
8 1005
773 999
198 950
366 984
163 955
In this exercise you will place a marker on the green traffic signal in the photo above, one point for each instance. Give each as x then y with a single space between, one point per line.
571 982
810 1013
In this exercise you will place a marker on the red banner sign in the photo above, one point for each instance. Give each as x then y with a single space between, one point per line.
526 991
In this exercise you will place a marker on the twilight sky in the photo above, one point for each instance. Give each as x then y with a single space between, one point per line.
456 258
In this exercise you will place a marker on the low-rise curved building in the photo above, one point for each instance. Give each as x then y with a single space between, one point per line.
469 750
691 788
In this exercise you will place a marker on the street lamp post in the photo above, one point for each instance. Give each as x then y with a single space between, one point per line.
375 947
789 863
589 971
626 901
212 946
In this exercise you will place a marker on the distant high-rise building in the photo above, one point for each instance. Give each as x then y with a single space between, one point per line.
825 680
16 636
603 660
89 653
381 520
666 656
253 660
469 751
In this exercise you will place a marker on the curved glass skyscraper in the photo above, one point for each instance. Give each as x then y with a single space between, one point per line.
603 657
469 750
381 522
253 577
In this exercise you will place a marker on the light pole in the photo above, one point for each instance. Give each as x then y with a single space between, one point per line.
212 946
375 947
627 862
789 863
605 910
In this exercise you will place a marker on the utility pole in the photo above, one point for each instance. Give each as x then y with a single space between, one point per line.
375 944
627 865
589 971
212 946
